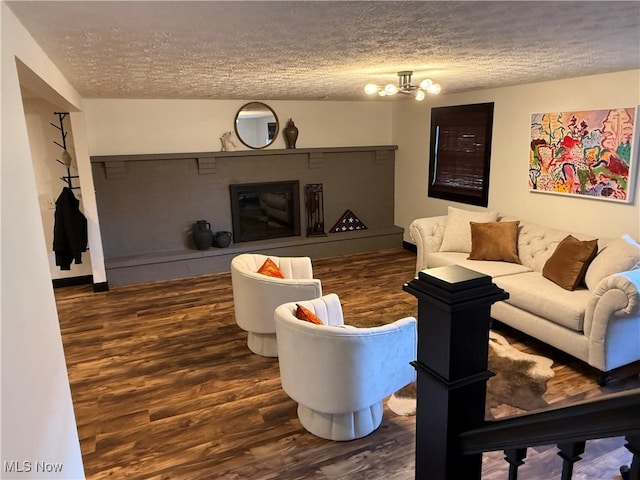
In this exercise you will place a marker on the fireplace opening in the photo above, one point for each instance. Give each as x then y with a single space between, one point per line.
260 211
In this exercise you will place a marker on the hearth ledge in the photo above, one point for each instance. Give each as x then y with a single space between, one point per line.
246 247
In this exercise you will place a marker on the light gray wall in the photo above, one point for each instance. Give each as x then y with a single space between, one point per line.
508 190
131 126
149 203
153 205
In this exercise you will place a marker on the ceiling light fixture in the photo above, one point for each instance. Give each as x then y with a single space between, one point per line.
404 86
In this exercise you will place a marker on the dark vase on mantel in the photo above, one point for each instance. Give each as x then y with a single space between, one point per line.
202 234
290 133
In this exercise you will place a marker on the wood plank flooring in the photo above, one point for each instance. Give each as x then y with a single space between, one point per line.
164 387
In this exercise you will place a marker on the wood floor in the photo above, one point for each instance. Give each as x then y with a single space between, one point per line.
164 387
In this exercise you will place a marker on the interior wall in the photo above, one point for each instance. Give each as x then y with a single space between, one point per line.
120 127
39 115
90 207
38 423
509 192
151 208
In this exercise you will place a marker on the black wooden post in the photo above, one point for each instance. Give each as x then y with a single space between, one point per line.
633 445
454 305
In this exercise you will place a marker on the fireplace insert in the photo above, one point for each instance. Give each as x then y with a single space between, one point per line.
260 211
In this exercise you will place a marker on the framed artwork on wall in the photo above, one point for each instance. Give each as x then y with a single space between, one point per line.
591 153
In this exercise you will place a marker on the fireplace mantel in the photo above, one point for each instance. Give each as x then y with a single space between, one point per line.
242 153
114 165
147 204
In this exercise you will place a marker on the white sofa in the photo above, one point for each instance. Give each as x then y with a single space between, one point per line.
598 323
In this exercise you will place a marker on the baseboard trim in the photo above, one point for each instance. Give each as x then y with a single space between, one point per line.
72 281
101 287
81 280
409 246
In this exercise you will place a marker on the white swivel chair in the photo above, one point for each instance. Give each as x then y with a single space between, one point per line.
255 296
338 374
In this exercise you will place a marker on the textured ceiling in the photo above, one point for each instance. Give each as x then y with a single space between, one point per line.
313 50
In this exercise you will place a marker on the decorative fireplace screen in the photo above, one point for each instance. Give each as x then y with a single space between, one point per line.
260 211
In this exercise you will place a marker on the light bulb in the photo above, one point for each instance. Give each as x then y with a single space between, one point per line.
382 93
391 89
426 84
370 89
434 89
420 95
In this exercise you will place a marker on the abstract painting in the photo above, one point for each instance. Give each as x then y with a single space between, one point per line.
589 153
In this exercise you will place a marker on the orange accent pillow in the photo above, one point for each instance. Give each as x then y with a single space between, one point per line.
303 313
270 269
496 241
568 264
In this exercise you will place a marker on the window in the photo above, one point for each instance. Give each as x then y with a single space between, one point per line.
460 153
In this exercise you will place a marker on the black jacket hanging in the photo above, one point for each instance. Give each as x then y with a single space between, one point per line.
69 230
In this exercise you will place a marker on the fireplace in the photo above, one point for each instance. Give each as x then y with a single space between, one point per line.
260 211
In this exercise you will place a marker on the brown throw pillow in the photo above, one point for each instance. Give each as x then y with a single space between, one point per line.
303 313
568 264
270 269
494 241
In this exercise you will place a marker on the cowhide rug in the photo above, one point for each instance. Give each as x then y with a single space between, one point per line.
520 381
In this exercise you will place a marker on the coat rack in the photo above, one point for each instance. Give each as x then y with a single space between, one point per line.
66 157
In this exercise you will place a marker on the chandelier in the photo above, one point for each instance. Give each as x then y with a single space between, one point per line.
404 86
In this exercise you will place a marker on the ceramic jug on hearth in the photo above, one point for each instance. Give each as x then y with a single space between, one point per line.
222 239
202 234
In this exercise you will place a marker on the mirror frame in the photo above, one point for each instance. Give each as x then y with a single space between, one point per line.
266 107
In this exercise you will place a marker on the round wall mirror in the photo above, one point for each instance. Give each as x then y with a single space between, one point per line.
256 125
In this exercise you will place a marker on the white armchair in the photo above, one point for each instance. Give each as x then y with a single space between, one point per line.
256 296
338 374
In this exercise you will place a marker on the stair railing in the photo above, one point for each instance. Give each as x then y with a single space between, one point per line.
454 306
569 428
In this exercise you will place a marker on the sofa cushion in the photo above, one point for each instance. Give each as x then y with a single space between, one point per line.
569 262
536 243
534 293
619 255
493 269
494 241
457 231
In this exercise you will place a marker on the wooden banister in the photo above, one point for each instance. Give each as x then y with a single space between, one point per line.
451 433
454 304
613 415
